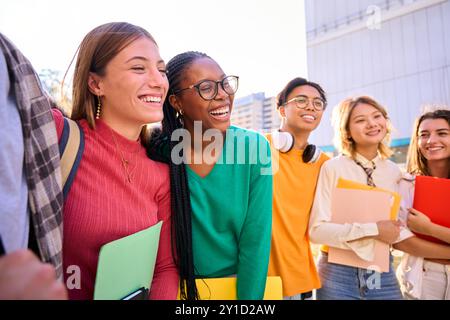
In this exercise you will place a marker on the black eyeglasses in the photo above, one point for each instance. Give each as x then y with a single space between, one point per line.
208 89
302 102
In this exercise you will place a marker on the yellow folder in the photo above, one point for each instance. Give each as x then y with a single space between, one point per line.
225 289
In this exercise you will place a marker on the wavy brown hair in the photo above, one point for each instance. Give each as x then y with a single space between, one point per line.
416 162
96 50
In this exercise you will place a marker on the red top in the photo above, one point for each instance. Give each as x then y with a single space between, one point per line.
103 206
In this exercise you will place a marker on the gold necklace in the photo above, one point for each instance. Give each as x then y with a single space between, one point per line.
125 163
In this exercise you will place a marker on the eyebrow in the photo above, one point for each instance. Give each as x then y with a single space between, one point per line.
362 115
143 59
437 130
223 76
305 96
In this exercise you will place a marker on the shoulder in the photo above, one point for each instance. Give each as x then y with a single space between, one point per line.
268 136
58 118
336 162
323 157
57 114
241 132
251 139
160 171
407 179
406 186
161 167
392 167
59 121
334 167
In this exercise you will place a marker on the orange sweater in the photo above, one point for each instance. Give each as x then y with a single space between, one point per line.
294 185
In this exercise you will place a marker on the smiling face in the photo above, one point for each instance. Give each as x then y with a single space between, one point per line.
302 119
134 85
434 139
367 125
214 113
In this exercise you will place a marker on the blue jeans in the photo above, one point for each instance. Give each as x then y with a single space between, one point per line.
341 282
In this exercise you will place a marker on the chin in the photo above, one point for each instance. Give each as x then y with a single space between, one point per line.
436 157
154 117
222 127
308 127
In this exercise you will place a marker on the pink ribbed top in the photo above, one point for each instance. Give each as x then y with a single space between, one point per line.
102 206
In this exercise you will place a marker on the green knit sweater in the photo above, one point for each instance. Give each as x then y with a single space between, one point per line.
232 213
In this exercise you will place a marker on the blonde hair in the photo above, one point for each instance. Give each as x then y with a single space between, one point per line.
96 50
341 118
416 163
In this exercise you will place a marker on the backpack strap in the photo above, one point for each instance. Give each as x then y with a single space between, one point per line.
71 148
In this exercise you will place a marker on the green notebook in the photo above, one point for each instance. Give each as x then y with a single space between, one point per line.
126 265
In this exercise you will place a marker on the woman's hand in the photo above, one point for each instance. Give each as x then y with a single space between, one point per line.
418 222
388 231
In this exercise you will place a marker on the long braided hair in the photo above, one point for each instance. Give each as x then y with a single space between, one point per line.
180 198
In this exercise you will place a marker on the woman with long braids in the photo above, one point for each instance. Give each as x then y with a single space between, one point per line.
221 206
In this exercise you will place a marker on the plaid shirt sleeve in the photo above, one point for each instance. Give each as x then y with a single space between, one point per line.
42 159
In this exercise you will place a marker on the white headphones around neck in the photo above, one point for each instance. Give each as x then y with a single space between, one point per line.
284 142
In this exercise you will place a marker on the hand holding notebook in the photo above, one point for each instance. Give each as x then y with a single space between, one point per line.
125 266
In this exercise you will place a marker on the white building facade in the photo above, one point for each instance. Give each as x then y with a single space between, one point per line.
397 51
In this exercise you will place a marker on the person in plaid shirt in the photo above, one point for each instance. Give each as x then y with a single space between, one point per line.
30 184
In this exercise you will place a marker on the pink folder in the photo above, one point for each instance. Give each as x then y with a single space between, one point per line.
431 197
361 206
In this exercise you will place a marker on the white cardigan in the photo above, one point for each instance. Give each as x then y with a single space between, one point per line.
323 231
410 270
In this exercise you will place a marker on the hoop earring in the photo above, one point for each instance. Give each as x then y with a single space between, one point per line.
99 108
180 117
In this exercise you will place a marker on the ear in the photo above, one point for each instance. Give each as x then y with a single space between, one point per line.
282 111
175 102
95 84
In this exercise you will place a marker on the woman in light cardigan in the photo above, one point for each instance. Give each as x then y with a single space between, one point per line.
362 135
429 155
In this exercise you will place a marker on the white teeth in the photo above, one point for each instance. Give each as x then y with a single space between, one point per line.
306 116
151 99
435 149
220 111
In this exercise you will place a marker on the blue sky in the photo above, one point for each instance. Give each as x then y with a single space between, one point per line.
262 41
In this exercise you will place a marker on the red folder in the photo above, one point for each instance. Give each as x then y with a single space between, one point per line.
432 198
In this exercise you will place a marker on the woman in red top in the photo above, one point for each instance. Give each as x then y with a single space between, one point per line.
119 86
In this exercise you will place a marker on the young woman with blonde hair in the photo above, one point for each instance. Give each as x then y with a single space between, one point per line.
362 136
